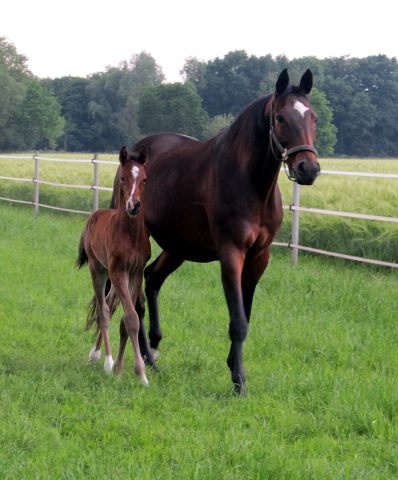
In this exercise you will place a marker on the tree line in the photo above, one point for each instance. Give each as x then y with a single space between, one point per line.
355 98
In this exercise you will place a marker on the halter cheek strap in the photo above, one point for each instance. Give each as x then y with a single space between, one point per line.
284 151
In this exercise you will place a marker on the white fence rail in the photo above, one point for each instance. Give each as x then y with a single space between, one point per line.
294 207
36 180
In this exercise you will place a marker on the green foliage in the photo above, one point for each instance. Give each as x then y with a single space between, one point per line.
172 107
325 130
29 113
216 124
39 118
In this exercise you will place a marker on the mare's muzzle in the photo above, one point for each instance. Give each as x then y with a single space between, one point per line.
305 172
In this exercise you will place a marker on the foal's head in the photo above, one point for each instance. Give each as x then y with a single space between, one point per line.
294 126
132 178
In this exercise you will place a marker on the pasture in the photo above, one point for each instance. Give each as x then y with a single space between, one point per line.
321 356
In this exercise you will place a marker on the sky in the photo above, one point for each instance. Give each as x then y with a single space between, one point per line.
79 38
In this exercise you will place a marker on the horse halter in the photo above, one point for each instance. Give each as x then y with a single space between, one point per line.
284 151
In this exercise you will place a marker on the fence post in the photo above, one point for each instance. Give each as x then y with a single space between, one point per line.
36 201
295 222
95 206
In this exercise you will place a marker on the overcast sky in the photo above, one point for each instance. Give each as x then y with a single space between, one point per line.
82 37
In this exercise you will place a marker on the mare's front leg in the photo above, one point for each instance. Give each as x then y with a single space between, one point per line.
232 261
155 274
99 277
253 269
130 323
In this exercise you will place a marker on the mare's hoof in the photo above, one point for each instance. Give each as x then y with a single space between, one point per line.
155 353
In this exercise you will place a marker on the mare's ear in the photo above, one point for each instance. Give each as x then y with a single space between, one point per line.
143 155
282 82
306 81
123 155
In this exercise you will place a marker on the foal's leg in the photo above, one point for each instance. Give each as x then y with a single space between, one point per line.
130 319
99 277
112 302
232 260
155 274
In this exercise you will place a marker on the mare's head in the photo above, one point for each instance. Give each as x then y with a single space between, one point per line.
132 178
293 124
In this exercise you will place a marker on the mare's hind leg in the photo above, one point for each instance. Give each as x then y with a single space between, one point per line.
99 277
155 274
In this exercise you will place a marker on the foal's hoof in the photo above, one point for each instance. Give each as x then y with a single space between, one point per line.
144 380
108 364
94 356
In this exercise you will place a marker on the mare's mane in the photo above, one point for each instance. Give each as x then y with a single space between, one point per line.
249 124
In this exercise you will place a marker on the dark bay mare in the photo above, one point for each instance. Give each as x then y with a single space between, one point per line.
219 200
115 243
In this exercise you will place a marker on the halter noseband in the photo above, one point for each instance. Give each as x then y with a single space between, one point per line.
284 151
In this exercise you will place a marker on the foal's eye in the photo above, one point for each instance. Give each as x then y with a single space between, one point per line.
144 181
280 118
316 119
122 179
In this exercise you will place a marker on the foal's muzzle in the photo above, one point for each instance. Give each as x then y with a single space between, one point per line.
133 208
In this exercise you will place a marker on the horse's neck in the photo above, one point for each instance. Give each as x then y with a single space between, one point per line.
129 226
263 169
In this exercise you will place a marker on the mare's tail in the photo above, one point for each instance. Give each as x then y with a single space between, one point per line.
82 258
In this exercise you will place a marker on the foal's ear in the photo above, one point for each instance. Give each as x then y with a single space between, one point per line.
306 81
282 82
123 155
143 155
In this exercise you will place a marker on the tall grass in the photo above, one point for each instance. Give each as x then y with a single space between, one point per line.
321 360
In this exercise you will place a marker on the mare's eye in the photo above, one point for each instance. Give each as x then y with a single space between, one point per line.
144 180
316 119
280 118
122 179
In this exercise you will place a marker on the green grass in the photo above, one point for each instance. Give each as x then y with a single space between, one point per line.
321 360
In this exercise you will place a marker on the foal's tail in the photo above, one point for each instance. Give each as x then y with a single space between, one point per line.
112 300
82 258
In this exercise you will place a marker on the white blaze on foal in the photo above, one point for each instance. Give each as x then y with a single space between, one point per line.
135 171
300 107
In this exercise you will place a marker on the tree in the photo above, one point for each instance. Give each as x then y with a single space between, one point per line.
325 130
173 107
113 100
217 123
39 118
14 79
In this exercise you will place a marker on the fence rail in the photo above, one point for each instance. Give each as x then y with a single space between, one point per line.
294 207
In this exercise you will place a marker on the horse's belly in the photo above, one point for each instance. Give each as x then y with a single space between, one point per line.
187 240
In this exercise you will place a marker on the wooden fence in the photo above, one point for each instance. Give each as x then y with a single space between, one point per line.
294 207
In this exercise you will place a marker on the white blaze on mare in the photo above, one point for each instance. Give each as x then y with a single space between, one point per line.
300 107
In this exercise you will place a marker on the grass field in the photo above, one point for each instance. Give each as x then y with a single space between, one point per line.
321 360
321 356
